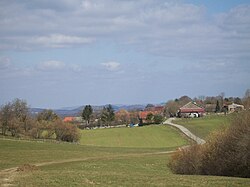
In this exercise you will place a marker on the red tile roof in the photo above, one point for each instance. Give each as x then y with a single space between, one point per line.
68 119
192 107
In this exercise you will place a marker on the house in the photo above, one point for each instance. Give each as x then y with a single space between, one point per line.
71 119
68 119
191 109
143 114
157 110
235 107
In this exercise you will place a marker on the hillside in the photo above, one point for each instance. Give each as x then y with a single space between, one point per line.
78 165
141 137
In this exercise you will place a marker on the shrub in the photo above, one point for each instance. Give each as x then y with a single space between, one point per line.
66 132
226 152
186 160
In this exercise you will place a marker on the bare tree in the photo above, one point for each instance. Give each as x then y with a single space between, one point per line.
222 95
5 116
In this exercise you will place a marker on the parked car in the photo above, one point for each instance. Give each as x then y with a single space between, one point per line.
193 115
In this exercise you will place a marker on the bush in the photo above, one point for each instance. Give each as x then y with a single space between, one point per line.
66 132
186 161
158 119
226 152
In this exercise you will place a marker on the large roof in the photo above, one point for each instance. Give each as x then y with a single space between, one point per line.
191 107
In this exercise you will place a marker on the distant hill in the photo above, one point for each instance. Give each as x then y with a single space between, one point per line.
75 111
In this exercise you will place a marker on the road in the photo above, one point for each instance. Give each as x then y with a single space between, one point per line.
185 131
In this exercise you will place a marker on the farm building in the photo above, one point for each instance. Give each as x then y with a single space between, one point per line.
191 109
235 107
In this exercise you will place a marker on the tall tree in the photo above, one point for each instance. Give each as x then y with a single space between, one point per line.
108 115
21 112
14 116
87 113
222 95
217 108
5 117
246 99
122 116
172 107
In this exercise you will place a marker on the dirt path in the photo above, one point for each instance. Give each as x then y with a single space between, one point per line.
185 131
7 175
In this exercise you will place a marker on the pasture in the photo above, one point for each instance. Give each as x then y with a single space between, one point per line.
202 127
141 137
118 161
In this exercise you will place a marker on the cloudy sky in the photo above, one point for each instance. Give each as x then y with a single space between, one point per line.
73 52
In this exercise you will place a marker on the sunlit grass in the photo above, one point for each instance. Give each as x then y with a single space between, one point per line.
142 137
202 127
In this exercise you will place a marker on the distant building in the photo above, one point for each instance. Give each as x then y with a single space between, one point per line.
235 107
191 109
71 119
156 110
68 119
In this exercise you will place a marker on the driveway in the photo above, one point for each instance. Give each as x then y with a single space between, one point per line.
185 131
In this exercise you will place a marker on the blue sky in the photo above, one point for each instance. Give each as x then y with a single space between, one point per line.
74 52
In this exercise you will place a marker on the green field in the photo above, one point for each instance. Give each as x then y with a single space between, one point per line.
202 127
114 162
143 137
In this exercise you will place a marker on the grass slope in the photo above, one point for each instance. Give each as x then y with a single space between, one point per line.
202 127
143 137
126 171
104 166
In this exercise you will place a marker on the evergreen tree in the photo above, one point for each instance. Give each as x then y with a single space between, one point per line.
108 115
86 113
217 108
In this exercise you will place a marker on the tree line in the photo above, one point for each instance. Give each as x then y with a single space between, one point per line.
17 121
106 117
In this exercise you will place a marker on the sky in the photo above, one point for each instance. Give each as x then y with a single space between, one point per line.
65 53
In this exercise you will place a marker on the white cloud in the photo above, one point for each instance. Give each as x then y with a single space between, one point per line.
60 40
111 66
168 29
51 65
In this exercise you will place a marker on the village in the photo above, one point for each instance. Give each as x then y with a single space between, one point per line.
184 107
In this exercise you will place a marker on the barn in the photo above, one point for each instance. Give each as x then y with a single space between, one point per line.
191 109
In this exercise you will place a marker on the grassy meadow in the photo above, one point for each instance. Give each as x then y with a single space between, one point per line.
105 157
142 137
202 127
